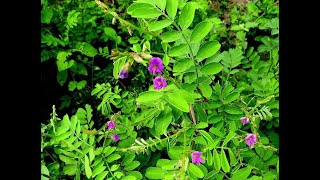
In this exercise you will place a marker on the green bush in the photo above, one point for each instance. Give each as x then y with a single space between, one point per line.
162 89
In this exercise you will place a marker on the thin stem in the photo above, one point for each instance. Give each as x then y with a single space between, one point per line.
49 155
115 15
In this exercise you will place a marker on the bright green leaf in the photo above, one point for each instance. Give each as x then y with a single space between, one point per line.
157 25
143 10
224 162
171 8
211 69
148 96
155 173
241 174
180 50
87 167
195 170
171 36
208 49
216 160
177 101
187 15
200 31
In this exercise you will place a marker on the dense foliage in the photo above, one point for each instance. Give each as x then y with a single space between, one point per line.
162 89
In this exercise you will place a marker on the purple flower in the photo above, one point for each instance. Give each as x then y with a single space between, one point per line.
159 83
251 139
111 124
244 120
115 137
196 157
123 74
156 65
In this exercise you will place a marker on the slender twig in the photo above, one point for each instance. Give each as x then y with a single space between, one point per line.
115 15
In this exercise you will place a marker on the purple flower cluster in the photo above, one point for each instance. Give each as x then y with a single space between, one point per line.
196 157
251 139
112 125
244 120
156 66
124 72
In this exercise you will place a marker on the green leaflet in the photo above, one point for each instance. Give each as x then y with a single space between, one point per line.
155 173
171 8
200 31
224 162
143 10
179 50
208 49
157 25
177 101
195 170
171 36
187 15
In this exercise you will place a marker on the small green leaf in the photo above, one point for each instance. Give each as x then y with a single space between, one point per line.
157 25
207 137
208 49
211 69
72 85
179 50
81 84
195 170
216 160
44 170
209 158
187 15
216 132
70 170
171 36
148 96
113 157
161 4
200 31
102 175
155 173
131 166
201 125
233 160
224 162
163 121
241 174
175 152
228 138
231 97
205 89
88 49
182 65
177 101
62 77
87 167
143 10
233 110
128 158
171 8
108 150
98 170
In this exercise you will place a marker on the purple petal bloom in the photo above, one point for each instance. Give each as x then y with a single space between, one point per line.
156 65
159 83
111 124
115 137
196 157
123 74
244 120
251 139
